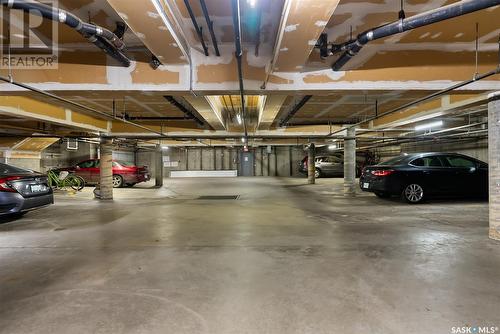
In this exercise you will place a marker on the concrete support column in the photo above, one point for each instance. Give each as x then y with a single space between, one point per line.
106 169
350 163
494 163
158 166
311 166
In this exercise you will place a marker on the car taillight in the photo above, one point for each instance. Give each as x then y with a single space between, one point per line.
384 172
4 187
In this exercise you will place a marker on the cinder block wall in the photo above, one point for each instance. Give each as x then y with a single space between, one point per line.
57 155
282 161
26 163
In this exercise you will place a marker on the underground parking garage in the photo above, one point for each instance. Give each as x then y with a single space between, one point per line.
249 166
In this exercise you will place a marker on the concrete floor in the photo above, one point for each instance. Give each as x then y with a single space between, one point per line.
284 258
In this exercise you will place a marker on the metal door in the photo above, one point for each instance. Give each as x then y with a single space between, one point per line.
247 164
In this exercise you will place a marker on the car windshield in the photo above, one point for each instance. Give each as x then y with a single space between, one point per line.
125 163
6 169
394 161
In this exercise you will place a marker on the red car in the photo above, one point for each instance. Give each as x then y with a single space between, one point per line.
124 173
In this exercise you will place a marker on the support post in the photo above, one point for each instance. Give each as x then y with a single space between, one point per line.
106 169
311 166
350 163
494 164
158 166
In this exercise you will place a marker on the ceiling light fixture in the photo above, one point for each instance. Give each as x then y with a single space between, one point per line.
242 139
252 3
238 118
165 148
428 126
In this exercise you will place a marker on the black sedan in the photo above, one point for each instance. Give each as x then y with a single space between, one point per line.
418 176
22 190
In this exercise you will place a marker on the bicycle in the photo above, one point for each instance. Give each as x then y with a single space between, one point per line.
62 180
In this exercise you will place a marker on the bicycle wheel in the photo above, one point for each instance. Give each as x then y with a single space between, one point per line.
74 182
81 183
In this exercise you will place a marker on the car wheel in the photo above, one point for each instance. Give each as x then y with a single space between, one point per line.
117 181
382 195
413 193
317 173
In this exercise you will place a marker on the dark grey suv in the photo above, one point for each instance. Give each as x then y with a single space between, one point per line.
22 190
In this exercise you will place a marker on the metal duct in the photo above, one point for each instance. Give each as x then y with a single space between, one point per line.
460 8
101 37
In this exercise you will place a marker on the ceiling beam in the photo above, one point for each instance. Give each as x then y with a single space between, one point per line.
20 106
303 22
154 24
443 106
208 109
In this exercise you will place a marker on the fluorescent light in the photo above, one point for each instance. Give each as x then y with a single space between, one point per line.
252 3
165 148
427 126
332 147
243 139
238 118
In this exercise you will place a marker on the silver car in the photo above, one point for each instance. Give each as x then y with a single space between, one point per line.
22 190
331 165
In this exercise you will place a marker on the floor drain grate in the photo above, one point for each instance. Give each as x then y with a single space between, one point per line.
221 197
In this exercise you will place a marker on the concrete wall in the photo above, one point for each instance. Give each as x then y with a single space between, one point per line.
282 161
57 155
127 156
26 163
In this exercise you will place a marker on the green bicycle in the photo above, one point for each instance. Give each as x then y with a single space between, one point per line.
63 180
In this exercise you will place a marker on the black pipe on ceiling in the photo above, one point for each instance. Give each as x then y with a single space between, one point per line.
295 109
423 99
313 123
101 37
210 25
353 47
77 105
199 32
159 118
186 111
441 139
239 55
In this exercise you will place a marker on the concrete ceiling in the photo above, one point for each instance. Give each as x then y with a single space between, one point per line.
278 48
